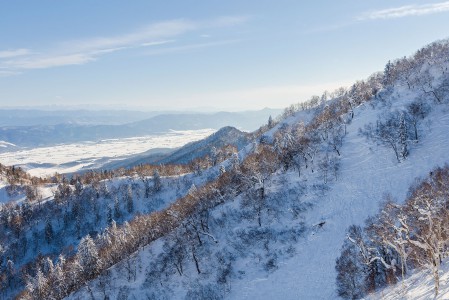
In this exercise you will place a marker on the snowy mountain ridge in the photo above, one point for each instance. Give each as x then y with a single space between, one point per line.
64 133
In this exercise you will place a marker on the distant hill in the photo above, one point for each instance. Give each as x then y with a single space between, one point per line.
34 117
225 136
248 120
44 135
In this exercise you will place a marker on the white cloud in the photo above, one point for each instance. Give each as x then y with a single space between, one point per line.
405 11
14 53
49 62
148 34
189 47
82 51
148 44
226 21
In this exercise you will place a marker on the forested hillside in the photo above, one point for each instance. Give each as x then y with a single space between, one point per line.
268 222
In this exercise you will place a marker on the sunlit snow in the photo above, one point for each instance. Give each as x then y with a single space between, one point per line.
73 157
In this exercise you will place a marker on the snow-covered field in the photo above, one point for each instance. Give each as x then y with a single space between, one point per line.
74 157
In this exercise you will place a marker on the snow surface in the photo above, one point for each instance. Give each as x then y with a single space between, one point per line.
419 286
4 197
46 191
74 157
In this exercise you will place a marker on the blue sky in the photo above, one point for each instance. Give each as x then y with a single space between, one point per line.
214 55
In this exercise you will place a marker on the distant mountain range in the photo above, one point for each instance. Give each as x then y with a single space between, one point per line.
223 137
33 117
68 132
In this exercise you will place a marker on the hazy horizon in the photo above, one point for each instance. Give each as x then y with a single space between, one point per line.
99 108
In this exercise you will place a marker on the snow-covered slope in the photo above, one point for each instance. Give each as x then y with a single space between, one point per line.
223 137
367 172
270 222
419 286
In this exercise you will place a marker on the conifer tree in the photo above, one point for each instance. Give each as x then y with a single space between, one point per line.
403 137
48 231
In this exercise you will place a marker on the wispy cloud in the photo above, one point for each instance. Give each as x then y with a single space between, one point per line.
49 62
148 35
226 21
82 51
405 11
156 43
14 53
189 47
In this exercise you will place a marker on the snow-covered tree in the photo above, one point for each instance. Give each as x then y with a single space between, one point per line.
222 170
427 221
270 122
257 169
10 272
109 215
38 287
117 208
87 256
157 183
403 137
49 233
387 230
388 132
214 155
414 233
417 111
58 279
350 272
129 199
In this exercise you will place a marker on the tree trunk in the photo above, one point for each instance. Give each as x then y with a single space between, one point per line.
196 261
415 126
